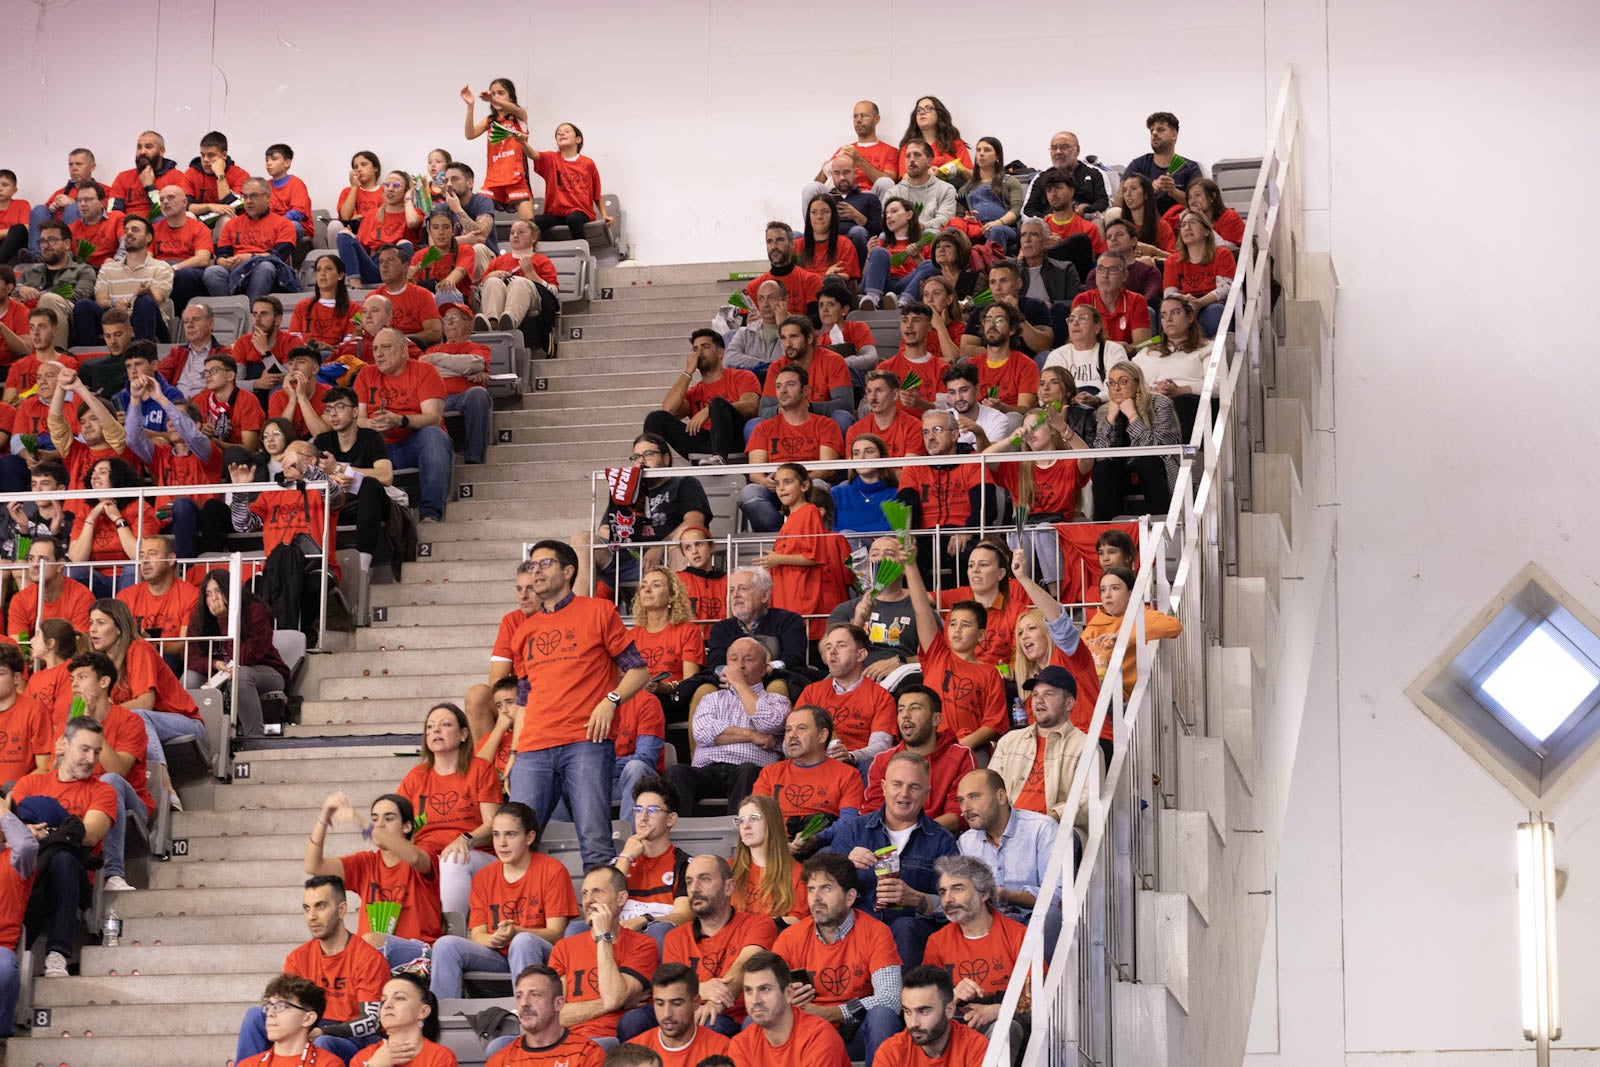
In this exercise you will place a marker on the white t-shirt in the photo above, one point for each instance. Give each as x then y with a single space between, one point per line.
1181 368
1084 364
994 424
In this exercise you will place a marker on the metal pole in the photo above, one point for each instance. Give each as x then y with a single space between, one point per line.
235 591
328 553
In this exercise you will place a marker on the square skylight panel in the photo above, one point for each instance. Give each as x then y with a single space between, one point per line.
1541 682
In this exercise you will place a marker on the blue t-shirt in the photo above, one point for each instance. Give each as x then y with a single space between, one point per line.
151 415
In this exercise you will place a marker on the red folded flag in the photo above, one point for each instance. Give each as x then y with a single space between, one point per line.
624 484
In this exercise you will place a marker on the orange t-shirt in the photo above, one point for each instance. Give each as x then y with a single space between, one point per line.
812 1043
670 648
286 513
747 894
166 615
987 960
567 655
843 970
711 955
244 350
381 227
14 891
320 321
999 639
430 1055
125 732
279 401
1031 797
544 892
176 245
366 875
413 306
966 1048
504 169
575 958
706 1042
815 590
463 260
828 371
858 714
26 732
1055 488
930 371
639 716
79 798
447 804
784 442
51 689
904 435
245 236
351 977
503 649
72 605
571 1051
973 693
401 393
734 383
143 671
708 596
1017 375
824 788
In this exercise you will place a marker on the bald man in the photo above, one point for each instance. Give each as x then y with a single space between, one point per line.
1088 184
737 730
253 249
135 189
403 399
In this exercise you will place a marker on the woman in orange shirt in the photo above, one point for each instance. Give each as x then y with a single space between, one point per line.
455 795
930 121
1136 199
409 1015
766 879
664 631
449 277
1100 632
823 249
1204 196
110 530
809 573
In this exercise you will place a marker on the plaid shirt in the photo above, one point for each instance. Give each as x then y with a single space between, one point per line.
723 709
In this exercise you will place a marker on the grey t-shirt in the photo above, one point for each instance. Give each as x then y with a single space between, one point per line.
891 626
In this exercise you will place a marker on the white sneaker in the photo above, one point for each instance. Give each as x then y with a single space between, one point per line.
55 965
174 801
118 884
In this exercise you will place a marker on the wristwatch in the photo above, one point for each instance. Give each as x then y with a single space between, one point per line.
607 938
614 696
853 1009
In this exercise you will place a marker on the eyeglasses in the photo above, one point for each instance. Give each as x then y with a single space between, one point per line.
1119 381
924 109
637 456
273 1007
214 370
336 406
740 820
648 809
544 564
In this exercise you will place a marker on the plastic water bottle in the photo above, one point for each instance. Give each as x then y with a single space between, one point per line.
111 929
1019 714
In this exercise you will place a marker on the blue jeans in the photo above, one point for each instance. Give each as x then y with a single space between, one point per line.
911 933
145 314
357 261
10 987
876 279
879 1026
255 277
163 726
633 772
1211 318
475 407
400 951
99 584
455 956
429 450
760 507
41 215
113 847
253 1040
580 774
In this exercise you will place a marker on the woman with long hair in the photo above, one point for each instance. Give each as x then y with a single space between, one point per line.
329 316
409 1015
1046 636
505 178
1048 489
858 503
449 276
823 249
893 256
145 685
1175 366
664 631
1134 417
766 879
276 435
1136 201
255 668
852 340
395 221
1204 196
110 530
394 871
949 258
809 565
455 795
989 582
1199 273
994 198
1100 632
50 685
930 121
946 327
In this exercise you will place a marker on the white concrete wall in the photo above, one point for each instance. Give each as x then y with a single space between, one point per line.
706 116
1457 134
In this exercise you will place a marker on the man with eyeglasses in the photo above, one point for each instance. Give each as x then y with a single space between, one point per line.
1088 184
942 495
659 509
1008 380
335 978
291 1009
228 414
1143 274
1030 334
253 249
1126 314
184 366
101 228
37 282
658 893
352 455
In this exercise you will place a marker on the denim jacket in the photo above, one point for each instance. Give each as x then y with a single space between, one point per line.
928 841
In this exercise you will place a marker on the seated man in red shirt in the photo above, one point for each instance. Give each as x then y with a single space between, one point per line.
263 353
707 416
1126 314
900 428
463 387
939 495
780 1033
932 1034
101 228
619 960
253 249
404 399
828 389
377 314
184 243
920 712
228 414
802 284
416 313
64 598
213 180
809 782
795 434
135 189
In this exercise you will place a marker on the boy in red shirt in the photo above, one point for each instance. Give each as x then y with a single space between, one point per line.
1063 220
27 734
14 213
290 197
213 180
253 249
122 758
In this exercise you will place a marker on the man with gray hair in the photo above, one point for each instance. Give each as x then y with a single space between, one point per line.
253 249
756 344
184 368
735 730
979 946
751 614
377 313
403 399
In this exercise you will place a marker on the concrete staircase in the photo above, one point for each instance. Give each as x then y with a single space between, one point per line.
1199 925
215 923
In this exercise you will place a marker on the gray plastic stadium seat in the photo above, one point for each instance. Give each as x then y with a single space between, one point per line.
506 358
230 314
1237 180
308 269
320 217
575 268
290 301
885 327
722 493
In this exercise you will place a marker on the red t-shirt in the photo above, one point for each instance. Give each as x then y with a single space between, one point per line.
401 393
105 235
708 596
51 689
748 895
127 188
567 656
286 513
639 716
1076 224
245 236
447 804
857 715
826 788
351 977
1017 375
25 372
503 649
669 649
571 1051
815 590
166 615
972 693
230 418
1032 795
542 268
14 890
176 245
244 350
79 798
987 960
1000 633
784 442
144 671
504 170
948 764
125 732
430 1055
945 495
828 372
204 187
966 1048
1131 313
812 1043
367 200
1197 279
366 875
14 317
26 732
958 153
440 269
706 1042
291 196
22 616
384 227
414 306
575 958
844 255
882 156
712 955
658 880
278 402
904 435
169 468
802 286
318 320
734 384
931 371
544 892
570 185
843 970
1055 488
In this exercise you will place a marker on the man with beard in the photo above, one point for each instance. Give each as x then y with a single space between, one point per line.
828 389
919 710
37 282
932 1037
780 1034
138 285
541 1037
977 424
978 949
135 189
708 415
802 284
1030 331
677 1040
